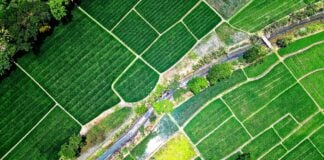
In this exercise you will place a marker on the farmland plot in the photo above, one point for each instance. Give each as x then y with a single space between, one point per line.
304 151
275 153
230 35
22 105
259 67
227 8
318 139
314 85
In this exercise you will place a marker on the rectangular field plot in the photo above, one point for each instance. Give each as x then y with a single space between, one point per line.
304 151
307 128
260 13
182 113
307 61
227 8
137 82
314 86
201 20
259 67
207 120
285 126
301 43
318 139
45 141
108 12
223 141
164 13
169 48
135 32
294 101
22 105
261 144
79 72
178 148
275 153
251 96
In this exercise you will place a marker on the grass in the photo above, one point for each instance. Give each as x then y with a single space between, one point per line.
258 14
294 101
178 148
307 61
229 35
285 126
223 141
275 153
169 48
137 82
22 105
208 119
301 43
303 151
313 84
108 12
135 32
78 71
45 141
164 13
201 20
304 131
227 8
318 139
261 66
182 113
251 96
261 144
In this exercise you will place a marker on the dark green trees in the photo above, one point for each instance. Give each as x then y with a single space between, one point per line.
219 72
197 84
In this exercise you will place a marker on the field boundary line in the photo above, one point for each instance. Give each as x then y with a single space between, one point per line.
301 50
120 41
187 28
44 90
292 117
246 76
240 10
315 147
148 23
215 129
212 8
69 114
310 73
32 129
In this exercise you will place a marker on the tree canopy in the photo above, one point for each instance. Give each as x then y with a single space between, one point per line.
70 150
163 106
219 72
197 84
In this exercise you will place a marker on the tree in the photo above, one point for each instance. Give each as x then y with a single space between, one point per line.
255 53
197 84
282 43
219 72
244 156
4 62
140 110
58 9
70 150
163 106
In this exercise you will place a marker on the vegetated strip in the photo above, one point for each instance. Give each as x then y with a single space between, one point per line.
314 85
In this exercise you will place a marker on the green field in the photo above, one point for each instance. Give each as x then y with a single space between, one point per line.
260 13
250 97
22 105
207 120
314 85
135 32
79 77
275 153
223 141
162 14
259 67
201 20
308 61
169 48
227 8
303 151
318 139
285 126
45 141
301 43
137 82
108 12
229 35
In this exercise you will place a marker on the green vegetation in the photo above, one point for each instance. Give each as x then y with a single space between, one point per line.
249 97
135 32
230 35
79 70
207 120
170 47
22 105
197 84
108 12
227 8
140 110
275 153
137 82
219 72
261 66
253 18
58 8
223 141
301 43
307 61
261 144
45 140
255 54
304 151
235 156
201 20
70 149
163 106
286 126
178 148
162 14
318 139
314 86
182 113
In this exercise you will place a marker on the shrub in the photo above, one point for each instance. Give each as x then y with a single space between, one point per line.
70 150
163 106
282 43
219 72
140 110
197 84
254 54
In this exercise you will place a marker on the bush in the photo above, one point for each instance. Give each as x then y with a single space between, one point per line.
140 110
219 72
282 43
71 149
197 84
163 106
254 54
177 95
